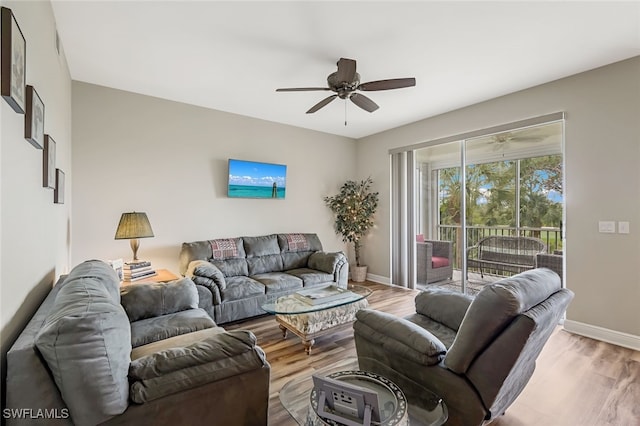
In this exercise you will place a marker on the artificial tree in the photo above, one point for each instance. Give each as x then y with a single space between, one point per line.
354 207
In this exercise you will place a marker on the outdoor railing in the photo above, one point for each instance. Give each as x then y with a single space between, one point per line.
552 237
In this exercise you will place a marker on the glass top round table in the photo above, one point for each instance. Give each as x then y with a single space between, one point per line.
296 303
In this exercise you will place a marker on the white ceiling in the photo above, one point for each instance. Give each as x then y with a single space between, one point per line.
231 56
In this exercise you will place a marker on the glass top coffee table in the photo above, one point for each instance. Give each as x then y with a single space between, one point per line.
309 321
295 397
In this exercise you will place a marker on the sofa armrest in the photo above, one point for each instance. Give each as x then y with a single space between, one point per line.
444 306
148 300
191 360
332 263
202 268
399 336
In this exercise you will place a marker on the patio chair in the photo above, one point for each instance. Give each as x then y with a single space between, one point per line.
477 354
434 260
551 261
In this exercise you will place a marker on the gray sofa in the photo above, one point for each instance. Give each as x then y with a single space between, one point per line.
477 354
93 354
235 276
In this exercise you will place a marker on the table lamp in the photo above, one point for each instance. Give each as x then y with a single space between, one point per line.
132 226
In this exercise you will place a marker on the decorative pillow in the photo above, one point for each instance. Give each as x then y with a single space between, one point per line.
420 238
86 342
439 262
297 242
202 268
224 248
144 300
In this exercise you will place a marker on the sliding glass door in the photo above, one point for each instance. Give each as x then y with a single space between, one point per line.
484 207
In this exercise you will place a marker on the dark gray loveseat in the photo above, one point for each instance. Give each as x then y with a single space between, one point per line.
149 356
236 276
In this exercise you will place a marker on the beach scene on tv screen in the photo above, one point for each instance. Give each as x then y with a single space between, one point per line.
248 179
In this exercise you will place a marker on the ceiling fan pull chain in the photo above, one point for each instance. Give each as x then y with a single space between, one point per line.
345 112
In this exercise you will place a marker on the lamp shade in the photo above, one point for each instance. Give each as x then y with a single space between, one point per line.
133 225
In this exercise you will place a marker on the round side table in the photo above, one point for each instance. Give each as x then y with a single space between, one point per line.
391 399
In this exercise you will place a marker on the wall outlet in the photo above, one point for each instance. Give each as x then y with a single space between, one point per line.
607 227
623 227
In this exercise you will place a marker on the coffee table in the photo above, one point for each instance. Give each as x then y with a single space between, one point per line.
295 397
311 321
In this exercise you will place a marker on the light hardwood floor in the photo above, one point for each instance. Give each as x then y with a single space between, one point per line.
577 382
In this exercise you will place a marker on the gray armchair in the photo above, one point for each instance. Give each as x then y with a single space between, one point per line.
434 261
476 353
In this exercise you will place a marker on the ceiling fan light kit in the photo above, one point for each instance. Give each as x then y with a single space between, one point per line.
346 81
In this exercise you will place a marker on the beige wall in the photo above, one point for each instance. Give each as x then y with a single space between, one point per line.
602 182
168 159
34 240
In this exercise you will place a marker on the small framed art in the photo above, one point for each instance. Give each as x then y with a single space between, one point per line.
13 62
34 119
49 163
58 192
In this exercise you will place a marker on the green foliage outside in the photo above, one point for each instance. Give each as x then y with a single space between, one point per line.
491 193
354 207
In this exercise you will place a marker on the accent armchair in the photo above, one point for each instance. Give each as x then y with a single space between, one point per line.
434 261
477 354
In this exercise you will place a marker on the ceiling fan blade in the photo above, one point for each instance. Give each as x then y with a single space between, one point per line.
363 102
302 89
394 83
346 70
321 104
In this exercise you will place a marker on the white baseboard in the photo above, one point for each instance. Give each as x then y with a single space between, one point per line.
378 279
610 336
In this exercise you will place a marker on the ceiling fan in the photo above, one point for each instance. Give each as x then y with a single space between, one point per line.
346 81
503 140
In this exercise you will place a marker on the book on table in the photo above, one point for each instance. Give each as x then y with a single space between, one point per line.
140 276
137 272
321 295
131 266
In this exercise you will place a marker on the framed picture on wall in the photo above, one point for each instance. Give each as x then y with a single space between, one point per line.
58 192
49 163
13 62
34 119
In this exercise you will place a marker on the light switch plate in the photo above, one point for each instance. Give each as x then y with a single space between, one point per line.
623 227
607 227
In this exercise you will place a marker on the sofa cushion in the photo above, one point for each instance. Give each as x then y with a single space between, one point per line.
232 267
439 262
158 328
239 288
147 300
444 306
295 260
211 356
311 277
277 282
261 246
205 269
87 334
266 263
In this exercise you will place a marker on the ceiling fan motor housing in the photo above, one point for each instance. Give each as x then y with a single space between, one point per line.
343 88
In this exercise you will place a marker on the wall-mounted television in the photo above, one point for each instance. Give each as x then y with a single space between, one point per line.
250 179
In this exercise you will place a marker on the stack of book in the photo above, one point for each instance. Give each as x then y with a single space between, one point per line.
134 271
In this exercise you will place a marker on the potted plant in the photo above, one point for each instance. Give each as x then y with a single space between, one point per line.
354 207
